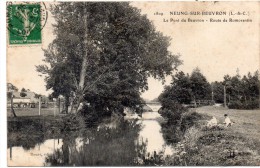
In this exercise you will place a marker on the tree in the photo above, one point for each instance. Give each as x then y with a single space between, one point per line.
37 96
23 90
10 89
23 94
200 87
179 90
242 88
185 88
218 91
106 59
242 92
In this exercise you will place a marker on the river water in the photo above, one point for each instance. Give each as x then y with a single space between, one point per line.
36 156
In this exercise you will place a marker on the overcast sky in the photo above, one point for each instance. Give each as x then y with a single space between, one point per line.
216 48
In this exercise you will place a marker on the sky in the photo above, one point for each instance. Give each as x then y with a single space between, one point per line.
216 48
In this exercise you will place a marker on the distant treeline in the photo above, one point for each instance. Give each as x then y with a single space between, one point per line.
241 92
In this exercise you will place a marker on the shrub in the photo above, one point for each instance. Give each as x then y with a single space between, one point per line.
171 133
189 119
254 104
172 112
72 122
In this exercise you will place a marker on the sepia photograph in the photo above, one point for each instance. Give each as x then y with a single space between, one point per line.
132 83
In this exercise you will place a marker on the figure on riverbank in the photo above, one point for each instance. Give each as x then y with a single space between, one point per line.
212 122
227 121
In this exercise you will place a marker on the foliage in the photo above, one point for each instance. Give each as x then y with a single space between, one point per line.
179 90
204 147
184 88
23 94
72 122
189 119
242 93
254 104
246 88
224 148
23 90
171 133
10 87
218 91
172 112
122 49
37 96
27 132
200 87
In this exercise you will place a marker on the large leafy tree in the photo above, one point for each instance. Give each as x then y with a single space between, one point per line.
185 88
200 87
179 90
103 54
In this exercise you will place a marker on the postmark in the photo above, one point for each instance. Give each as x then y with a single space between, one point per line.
25 22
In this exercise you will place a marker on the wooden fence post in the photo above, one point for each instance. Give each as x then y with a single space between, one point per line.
39 106
225 97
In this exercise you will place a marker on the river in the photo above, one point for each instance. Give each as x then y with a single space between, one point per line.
46 153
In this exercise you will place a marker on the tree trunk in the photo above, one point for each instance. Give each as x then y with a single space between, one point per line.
79 94
65 152
225 97
66 104
12 106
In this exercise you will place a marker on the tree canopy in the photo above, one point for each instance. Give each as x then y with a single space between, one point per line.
113 46
178 91
242 89
185 88
200 87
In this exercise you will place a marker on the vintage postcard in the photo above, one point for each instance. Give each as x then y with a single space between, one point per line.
138 83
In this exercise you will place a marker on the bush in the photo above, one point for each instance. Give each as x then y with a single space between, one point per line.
189 119
171 133
73 122
254 104
172 112
178 121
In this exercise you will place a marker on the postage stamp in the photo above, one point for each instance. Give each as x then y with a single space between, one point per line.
24 23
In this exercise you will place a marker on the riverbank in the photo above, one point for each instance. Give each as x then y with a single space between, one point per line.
223 146
198 146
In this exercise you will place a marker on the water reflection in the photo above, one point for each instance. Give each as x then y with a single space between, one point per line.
152 133
124 143
108 147
19 156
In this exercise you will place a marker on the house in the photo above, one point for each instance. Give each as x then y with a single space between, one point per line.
29 99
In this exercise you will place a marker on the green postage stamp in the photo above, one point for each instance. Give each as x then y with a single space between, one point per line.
24 23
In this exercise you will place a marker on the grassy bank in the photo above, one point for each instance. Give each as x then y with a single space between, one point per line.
247 122
221 146
33 112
